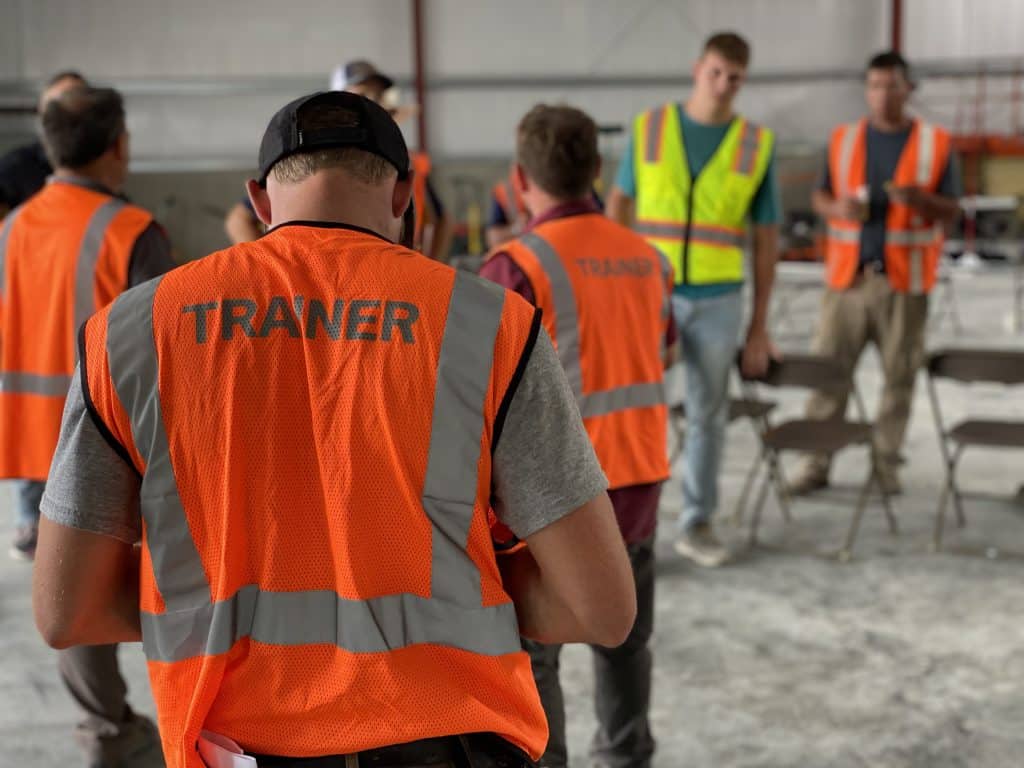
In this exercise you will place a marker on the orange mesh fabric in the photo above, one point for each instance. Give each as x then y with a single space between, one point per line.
622 326
37 312
300 462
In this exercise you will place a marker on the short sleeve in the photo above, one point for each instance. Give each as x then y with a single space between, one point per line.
90 486
544 464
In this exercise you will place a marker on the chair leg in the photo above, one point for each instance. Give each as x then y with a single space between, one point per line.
958 503
940 518
748 486
755 521
890 515
780 489
858 513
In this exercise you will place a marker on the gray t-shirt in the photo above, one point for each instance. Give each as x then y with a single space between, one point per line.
883 155
544 465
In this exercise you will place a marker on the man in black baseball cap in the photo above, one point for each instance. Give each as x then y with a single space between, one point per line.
309 426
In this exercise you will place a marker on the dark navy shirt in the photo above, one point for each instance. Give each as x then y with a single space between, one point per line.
883 155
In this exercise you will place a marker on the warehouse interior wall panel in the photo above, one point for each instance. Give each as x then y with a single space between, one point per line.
962 29
588 37
197 38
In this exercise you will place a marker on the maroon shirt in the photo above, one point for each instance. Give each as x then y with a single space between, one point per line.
636 506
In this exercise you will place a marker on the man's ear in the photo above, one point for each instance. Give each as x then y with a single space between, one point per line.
260 200
520 179
122 147
401 196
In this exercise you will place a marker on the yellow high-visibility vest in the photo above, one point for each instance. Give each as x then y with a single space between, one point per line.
699 224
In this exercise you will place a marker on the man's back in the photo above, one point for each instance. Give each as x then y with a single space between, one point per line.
605 293
319 390
65 253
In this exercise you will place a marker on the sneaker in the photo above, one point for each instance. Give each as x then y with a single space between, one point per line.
136 744
808 481
700 545
23 547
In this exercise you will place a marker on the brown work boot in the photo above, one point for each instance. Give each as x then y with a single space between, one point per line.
700 545
133 744
810 479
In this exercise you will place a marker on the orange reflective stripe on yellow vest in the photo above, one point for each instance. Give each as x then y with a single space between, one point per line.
315 445
604 296
913 244
64 254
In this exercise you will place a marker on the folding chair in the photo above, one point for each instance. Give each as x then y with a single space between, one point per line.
812 435
756 411
968 366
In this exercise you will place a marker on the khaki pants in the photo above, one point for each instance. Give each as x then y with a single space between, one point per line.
871 311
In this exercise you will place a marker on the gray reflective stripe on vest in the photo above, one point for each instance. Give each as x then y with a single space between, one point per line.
844 235
653 138
134 371
5 232
18 382
193 625
750 141
88 256
567 331
698 233
631 396
925 152
317 617
449 489
846 146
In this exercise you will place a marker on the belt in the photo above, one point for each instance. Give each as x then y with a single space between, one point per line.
475 750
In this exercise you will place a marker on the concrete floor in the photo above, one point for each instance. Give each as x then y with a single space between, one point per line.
901 659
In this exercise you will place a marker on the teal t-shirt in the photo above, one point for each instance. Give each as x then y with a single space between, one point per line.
701 141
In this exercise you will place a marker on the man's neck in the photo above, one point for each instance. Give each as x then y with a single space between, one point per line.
707 112
94 176
890 125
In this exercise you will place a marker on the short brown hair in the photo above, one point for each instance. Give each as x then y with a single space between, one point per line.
557 146
730 47
362 165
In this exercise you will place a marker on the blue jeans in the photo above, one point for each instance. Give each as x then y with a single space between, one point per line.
709 332
27 495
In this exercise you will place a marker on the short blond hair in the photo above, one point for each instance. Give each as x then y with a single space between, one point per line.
361 165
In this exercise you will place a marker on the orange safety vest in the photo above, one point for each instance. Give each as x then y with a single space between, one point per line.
913 244
420 197
313 415
64 253
604 295
510 200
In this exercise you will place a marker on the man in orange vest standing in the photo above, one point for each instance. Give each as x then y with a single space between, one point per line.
308 433
605 296
433 225
890 184
66 252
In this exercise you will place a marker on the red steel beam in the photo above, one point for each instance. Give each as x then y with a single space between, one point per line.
897 25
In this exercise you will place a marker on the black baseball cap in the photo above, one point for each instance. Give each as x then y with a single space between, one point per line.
373 130
361 71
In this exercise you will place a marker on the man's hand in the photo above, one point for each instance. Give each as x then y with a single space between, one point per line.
911 195
757 353
850 208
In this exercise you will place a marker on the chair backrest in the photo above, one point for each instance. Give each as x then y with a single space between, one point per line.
805 371
997 366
